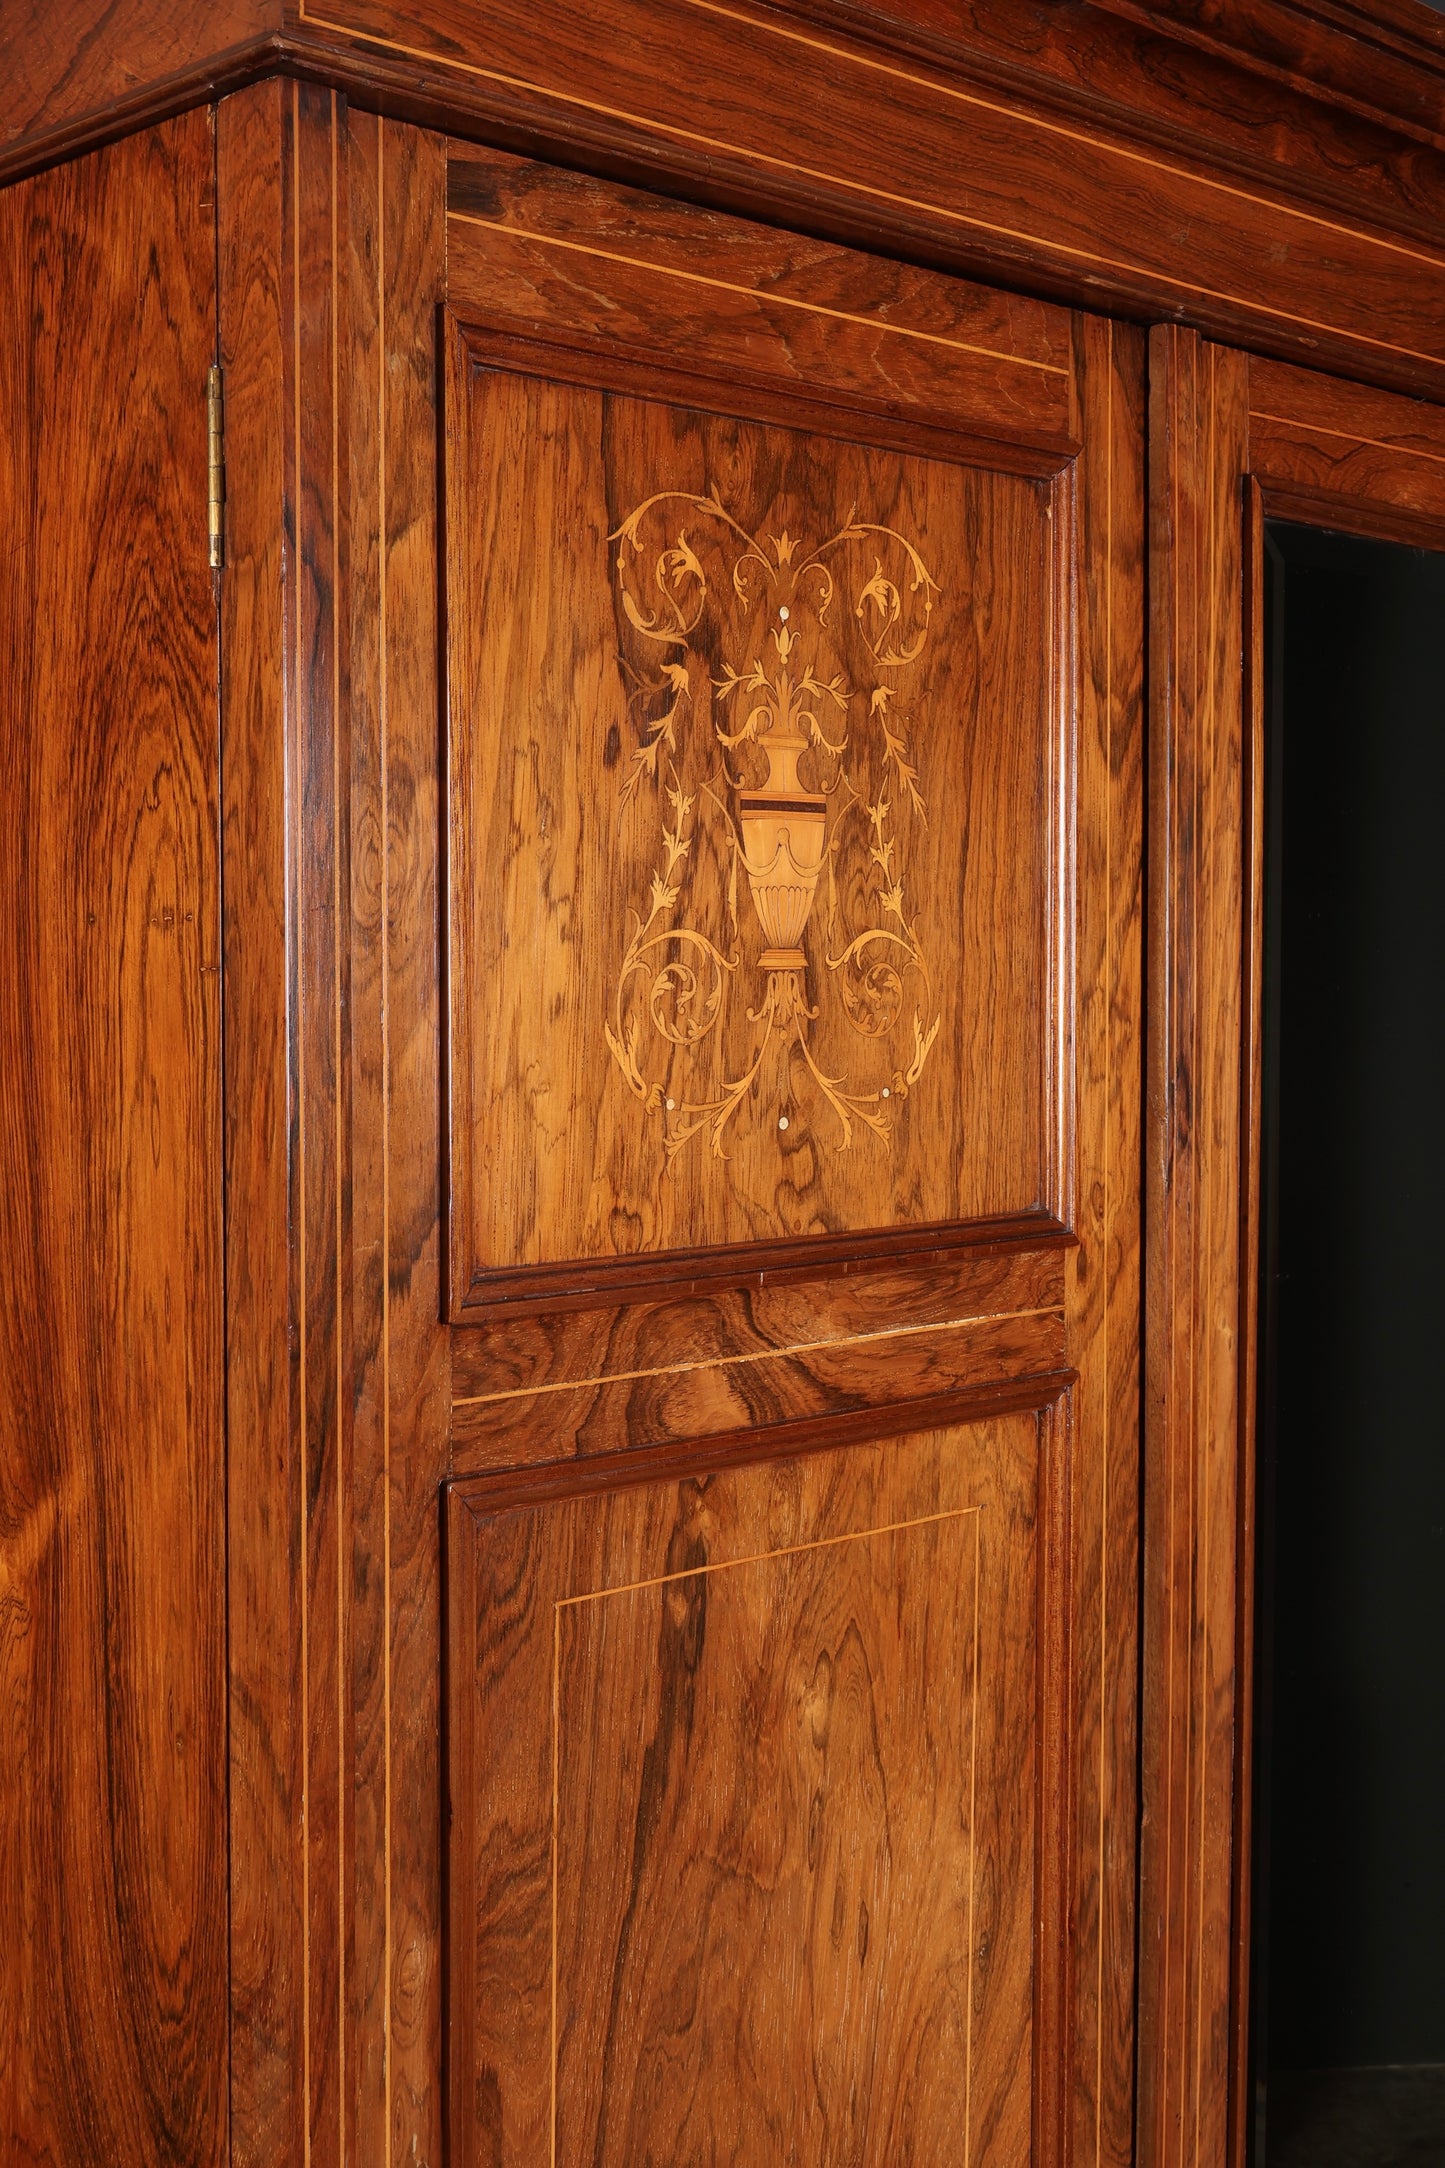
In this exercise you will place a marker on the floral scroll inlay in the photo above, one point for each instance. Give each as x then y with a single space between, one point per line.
777 830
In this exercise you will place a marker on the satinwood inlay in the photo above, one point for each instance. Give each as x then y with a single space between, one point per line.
771 707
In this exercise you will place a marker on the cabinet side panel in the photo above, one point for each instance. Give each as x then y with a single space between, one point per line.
113 1960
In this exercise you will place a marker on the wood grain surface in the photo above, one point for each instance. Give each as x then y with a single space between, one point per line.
1389 60
582 1125
269 1565
1342 455
509 1356
549 254
828 126
1196 1174
113 1858
1271 171
1104 1272
877 1370
332 240
284 716
706 1735
79 74
568 1397
394 272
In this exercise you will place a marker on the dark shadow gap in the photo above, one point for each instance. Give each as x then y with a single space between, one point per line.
1348 2043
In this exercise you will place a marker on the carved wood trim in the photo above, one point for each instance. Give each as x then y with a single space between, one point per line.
1020 226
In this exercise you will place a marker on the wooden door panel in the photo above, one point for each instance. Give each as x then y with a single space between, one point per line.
661 619
793 648
745 1812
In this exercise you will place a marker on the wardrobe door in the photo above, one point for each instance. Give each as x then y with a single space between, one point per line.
1234 441
793 640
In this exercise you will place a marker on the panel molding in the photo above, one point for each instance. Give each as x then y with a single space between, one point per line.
674 1459
609 361
527 1290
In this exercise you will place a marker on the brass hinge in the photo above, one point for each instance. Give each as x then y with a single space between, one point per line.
215 469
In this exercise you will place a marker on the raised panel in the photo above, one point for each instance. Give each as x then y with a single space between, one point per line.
751 747
744 1815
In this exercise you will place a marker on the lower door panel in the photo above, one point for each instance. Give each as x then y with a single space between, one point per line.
744 1809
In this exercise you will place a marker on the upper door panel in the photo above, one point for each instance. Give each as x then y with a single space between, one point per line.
759 669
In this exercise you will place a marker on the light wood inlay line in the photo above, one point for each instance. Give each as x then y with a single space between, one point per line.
1110 979
757 293
757 1558
385 1119
336 925
1347 436
972 1852
1207 827
755 1355
932 85
298 586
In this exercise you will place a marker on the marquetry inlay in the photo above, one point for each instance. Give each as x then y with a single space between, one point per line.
733 642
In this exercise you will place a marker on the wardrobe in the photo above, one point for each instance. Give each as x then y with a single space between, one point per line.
631 673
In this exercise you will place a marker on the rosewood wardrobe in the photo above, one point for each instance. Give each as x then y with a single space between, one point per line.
628 1055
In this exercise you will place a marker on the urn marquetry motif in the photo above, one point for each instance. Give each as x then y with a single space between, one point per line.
784 830
777 830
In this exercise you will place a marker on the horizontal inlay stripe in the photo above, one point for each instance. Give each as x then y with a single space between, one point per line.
1347 436
757 1355
754 293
